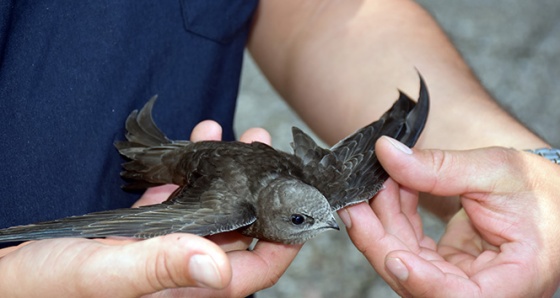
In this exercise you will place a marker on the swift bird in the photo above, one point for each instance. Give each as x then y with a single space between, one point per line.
223 186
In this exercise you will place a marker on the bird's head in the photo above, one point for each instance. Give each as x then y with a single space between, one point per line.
290 211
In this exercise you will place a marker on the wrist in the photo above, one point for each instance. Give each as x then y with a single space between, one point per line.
552 154
476 123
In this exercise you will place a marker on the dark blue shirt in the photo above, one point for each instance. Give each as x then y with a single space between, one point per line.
72 71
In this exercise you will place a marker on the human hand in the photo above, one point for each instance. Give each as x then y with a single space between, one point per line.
164 266
503 243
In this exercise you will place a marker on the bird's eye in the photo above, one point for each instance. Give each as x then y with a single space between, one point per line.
297 219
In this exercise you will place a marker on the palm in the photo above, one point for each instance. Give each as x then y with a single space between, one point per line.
463 246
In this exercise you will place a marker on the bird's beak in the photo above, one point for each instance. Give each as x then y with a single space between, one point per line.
331 224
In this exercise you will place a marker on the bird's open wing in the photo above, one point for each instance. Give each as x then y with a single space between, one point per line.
196 211
349 172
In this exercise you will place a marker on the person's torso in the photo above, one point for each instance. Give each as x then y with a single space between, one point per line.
72 71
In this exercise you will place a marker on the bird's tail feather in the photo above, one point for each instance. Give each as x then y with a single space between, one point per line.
152 155
141 129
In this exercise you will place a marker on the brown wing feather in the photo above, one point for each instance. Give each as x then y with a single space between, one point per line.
350 172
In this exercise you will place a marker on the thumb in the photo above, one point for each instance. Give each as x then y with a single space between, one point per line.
447 172
171 261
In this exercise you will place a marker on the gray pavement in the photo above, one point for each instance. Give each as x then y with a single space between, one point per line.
513 47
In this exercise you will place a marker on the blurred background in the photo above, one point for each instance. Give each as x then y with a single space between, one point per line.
514 48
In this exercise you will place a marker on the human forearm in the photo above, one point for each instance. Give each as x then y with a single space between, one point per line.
339 63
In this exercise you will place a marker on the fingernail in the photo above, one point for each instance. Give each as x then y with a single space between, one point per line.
397 268
400 146
345 217
205 272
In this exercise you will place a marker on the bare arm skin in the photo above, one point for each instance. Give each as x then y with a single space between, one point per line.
338 64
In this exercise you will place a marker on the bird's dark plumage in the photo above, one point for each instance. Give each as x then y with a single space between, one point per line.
225 186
